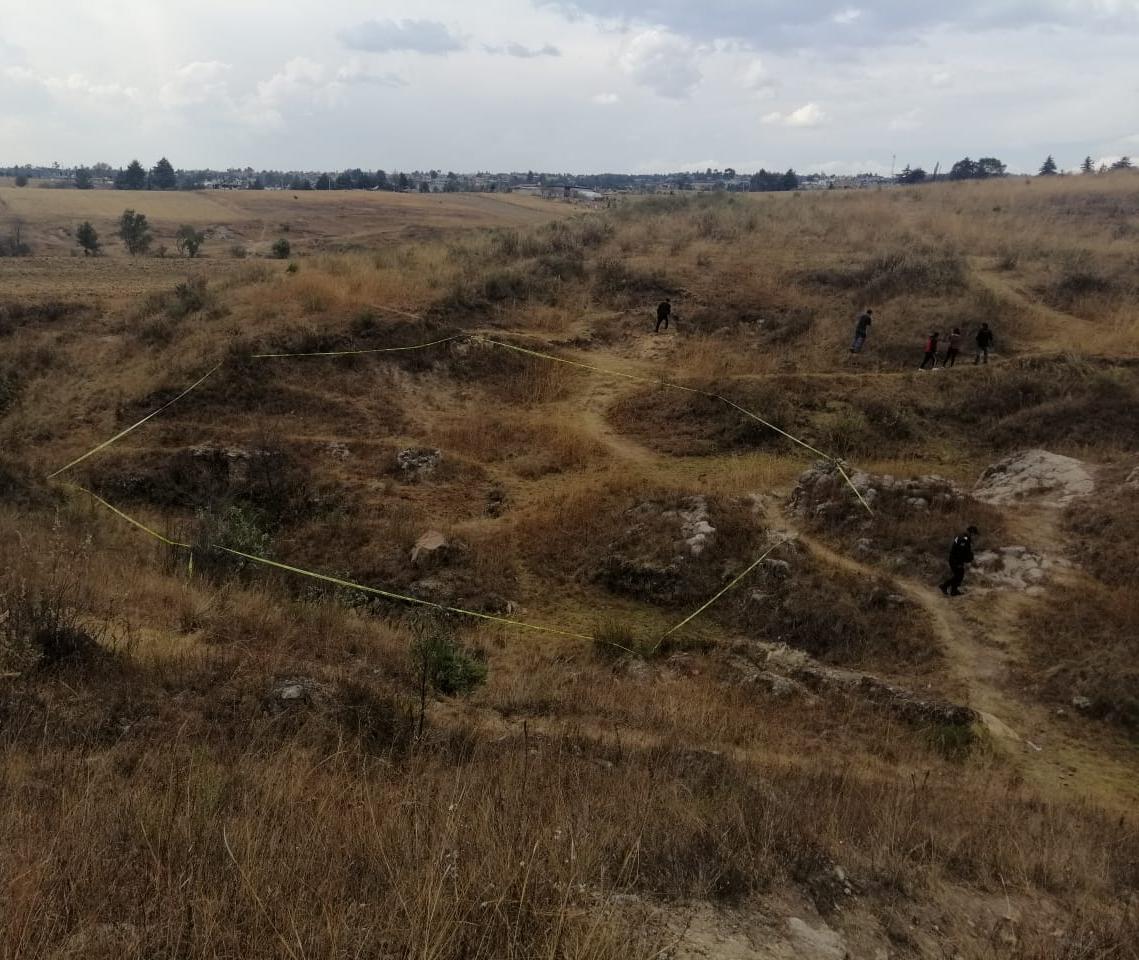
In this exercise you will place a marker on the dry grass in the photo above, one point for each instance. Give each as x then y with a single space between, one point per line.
164 800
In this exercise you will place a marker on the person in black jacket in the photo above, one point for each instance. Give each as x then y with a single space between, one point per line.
960 554
664 311
984 343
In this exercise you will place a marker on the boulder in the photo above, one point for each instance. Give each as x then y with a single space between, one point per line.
430 549
1038 476
418 462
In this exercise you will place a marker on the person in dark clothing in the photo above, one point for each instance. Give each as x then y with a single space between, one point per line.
664 311
862 331
953 349
960 554
984 344
930 351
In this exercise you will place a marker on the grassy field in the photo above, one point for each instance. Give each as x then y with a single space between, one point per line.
221 758
253 219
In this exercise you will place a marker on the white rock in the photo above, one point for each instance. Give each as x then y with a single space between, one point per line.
1047 478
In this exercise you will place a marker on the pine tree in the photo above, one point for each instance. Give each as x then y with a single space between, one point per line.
1087 166
83 179
162 177
88 239
1048 167
1123 163
132 178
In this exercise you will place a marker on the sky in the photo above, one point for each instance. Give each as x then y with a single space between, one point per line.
569 85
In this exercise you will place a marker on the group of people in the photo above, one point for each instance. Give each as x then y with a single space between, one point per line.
984 340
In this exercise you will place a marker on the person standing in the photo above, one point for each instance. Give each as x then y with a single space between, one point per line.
960 554
984 344
930 351
664 311
862 331
953 349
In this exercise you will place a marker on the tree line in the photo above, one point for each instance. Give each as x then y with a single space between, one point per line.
988 167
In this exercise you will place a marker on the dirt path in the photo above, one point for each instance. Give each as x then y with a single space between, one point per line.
980 636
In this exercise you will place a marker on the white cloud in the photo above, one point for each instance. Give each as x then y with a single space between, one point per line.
418 36
847 16
756 79
196 83
355 70
523 52
941 78
808 115
605 99
910 120
663 62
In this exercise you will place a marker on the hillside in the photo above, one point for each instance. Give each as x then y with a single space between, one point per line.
651 660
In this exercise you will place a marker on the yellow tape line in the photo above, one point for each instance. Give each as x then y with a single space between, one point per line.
135 426
347 584
687 620
680 386
352 353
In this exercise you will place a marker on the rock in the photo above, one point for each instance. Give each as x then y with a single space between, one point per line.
338 451
292 691
431 548
779 569
815 942
1132 479
822 492
1083 704
495 502
418 462
1037 475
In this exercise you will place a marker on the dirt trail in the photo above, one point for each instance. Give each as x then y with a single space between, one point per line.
980 637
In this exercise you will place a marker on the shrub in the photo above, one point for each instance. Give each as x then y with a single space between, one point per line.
441 662
188 297
237 251
281 249
232 527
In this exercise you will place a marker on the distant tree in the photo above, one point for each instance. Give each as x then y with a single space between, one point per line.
343 181
83 179
132 178
382 180
424 186
88 239
404 183
990 167
790 181
1087 166
163 177
1123 163
189 240
21 179
300 183
324 182
963 170
282 249
135 232
1048 168
257 184
911 175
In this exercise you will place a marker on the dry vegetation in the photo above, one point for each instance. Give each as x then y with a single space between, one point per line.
217 759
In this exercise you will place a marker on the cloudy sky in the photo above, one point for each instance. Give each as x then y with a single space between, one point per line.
581 85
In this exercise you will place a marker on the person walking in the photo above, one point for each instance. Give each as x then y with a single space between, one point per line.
953 349
984 344
664 311
930 351
960 554
862 331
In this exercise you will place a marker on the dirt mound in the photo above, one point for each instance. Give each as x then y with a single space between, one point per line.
1046 478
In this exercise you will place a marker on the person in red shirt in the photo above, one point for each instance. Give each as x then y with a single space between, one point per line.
930 357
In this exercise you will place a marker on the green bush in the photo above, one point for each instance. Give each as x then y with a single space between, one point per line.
281 249
443 663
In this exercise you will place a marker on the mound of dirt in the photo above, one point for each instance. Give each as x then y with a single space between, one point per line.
1049 479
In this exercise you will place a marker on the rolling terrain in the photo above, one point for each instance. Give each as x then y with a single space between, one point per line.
206 754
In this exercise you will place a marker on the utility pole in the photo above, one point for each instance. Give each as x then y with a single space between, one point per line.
893 163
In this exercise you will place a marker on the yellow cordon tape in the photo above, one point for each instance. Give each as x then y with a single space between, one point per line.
122 433
348 584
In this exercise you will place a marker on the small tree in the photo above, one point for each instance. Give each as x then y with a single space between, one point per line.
21 179
189 240
83 179
1048 167
1087 166
324 182
135 232
404 183
281 249
424 187
88 239
162 177
1123 163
